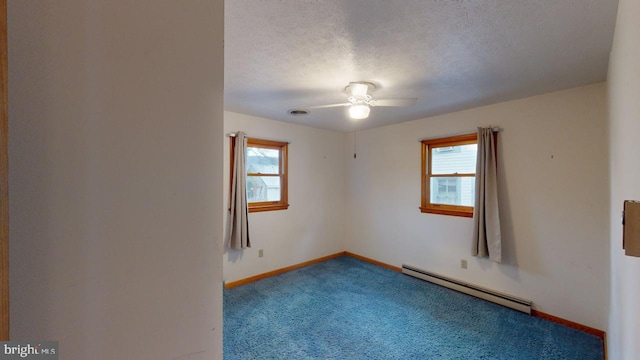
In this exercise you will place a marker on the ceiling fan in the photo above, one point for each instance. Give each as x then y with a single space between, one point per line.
361 100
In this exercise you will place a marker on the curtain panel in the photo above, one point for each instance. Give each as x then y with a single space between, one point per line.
238 226
487 240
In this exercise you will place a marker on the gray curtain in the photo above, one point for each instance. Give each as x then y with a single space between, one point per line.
486 217
238 228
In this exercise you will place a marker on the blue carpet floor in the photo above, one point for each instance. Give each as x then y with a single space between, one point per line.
345 308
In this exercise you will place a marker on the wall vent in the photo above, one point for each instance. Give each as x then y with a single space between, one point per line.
469 289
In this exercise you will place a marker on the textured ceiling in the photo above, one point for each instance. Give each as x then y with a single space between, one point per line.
450 54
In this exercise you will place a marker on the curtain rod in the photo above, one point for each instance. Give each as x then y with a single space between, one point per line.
232 134
495 129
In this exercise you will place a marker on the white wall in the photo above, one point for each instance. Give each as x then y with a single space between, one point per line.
313 226
553 192
115 149
624 127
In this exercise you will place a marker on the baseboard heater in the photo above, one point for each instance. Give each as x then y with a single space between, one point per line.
473 290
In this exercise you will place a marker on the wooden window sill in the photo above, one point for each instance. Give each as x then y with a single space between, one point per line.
259 208
460 213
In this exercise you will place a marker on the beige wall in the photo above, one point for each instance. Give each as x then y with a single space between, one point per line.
624 128
553 192
313 226
115 157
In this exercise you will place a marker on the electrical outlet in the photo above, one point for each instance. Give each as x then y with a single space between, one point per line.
463 263
260 253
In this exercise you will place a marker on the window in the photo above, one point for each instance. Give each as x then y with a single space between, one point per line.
448 175
266 169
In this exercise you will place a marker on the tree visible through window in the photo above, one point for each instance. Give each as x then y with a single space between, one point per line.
266 171
448 175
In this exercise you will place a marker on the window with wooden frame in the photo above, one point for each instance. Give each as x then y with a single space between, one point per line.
266 171
449 175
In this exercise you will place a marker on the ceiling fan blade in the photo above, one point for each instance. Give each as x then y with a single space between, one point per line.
328 106
395 102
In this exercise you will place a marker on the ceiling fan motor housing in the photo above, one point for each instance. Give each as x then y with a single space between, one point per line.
360 92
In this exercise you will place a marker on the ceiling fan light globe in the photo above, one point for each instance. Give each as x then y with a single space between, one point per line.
359 111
